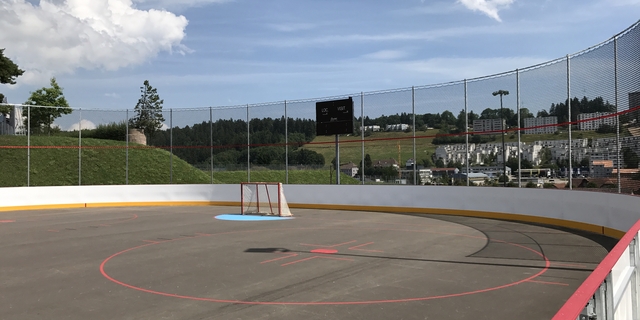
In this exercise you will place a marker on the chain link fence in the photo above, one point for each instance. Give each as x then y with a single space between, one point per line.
573 122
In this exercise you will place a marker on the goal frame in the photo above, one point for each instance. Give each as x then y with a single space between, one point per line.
278 198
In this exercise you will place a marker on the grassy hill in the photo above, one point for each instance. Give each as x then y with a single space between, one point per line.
380 145
295 177
103 162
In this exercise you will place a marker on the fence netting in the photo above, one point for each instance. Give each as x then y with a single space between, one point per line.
573 122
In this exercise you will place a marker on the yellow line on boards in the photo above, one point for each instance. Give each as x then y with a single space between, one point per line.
468 213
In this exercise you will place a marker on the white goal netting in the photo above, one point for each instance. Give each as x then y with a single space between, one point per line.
266 198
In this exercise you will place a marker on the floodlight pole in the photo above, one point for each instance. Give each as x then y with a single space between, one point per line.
502 125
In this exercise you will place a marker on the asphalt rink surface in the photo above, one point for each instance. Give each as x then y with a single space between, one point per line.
184 263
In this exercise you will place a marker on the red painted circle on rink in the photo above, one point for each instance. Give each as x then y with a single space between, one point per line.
325 251
547 264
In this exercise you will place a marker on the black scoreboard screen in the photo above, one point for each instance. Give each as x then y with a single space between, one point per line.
334 117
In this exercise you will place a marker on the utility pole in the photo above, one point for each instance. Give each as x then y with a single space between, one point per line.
502 125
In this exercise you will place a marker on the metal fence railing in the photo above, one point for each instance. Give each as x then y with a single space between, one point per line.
567 123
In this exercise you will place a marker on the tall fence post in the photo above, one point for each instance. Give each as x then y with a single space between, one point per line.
248 148
80 148
570 173
518 127
362 166
413 111
171 146
28 146
466 129
211 141
126 153
286 145
615 73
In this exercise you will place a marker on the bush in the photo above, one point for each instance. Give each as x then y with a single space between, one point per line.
531 184
111 131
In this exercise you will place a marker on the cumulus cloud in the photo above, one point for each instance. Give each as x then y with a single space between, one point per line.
488 7
60 36
84 124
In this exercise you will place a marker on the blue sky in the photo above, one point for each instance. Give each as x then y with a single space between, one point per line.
201 53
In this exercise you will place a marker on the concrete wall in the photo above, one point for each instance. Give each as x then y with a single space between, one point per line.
605 213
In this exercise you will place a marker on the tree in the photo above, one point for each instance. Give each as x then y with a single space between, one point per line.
148 111
42 118
9 71
368 165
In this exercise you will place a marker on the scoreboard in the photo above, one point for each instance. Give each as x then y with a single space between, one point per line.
334 117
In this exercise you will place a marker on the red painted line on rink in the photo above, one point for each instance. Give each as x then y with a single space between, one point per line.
151 241
362 302
315 257
324 251
547 282
52 230
288 255
357 248
330 246
7 221
133 217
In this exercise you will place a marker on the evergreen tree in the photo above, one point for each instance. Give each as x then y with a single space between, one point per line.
148 111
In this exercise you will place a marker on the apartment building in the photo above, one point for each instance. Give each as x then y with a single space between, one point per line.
485 126
542 125
593 121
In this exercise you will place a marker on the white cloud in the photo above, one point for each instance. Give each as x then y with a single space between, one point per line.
488 7
112 95
386 55
60 36
84 124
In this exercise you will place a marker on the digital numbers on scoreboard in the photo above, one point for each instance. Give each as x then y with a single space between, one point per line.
334 117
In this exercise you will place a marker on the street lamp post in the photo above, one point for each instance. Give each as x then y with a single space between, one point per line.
502 125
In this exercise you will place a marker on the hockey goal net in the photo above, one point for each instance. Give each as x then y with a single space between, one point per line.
266 198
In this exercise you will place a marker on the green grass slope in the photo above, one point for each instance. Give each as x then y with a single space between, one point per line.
54 162
103 162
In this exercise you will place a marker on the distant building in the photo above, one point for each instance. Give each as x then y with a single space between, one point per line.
600 168
484 125
599 119
385 163
489 171
350 169
9 124
371 128
549 123
397 127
